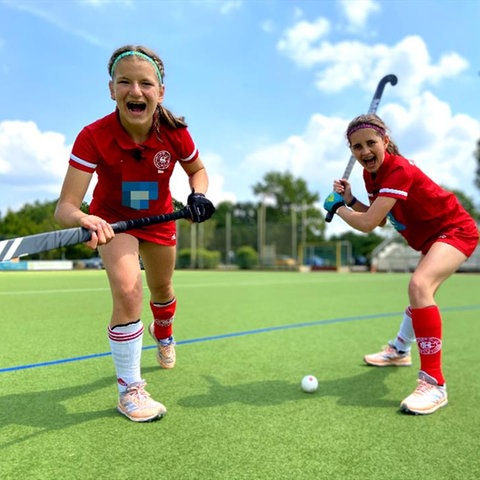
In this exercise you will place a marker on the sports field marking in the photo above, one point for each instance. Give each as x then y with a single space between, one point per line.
245 283
48 292
234 334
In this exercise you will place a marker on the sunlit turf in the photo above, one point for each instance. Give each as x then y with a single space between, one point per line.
235 407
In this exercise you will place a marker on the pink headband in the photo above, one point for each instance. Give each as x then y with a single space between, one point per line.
365 125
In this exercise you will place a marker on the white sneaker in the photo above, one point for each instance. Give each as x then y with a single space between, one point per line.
389 357
166 356
137 405
427 398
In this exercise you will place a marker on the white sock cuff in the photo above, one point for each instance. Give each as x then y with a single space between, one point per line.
126 333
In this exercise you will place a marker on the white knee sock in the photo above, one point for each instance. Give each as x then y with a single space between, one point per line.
126 346
406 335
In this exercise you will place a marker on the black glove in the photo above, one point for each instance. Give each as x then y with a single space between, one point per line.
201 208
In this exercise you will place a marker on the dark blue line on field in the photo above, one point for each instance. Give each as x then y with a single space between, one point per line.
234 334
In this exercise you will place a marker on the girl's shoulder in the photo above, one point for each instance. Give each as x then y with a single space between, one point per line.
108 121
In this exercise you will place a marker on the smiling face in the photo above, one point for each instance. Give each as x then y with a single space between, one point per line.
137 91
368 147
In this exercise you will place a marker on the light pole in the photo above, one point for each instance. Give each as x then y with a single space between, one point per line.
261 231
228 237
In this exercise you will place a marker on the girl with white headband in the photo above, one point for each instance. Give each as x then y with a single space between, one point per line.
433 222
133 152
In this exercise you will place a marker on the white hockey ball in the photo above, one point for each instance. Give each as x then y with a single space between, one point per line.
309 384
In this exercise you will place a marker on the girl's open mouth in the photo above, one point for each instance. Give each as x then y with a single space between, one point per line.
136 107
369 162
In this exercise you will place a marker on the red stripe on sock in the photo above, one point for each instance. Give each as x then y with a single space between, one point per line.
124 337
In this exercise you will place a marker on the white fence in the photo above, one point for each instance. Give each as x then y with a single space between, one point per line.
392 256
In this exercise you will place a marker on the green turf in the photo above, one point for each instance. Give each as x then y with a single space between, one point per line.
235 408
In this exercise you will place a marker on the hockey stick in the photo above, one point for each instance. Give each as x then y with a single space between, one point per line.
392 79
41 242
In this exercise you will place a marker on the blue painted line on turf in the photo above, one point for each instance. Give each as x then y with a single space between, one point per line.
233 334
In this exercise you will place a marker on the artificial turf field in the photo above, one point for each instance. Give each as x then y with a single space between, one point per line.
235 408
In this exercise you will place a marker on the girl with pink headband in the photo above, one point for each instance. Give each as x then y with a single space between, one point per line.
432 221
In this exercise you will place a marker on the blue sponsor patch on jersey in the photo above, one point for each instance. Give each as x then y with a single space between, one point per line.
396 224
137 195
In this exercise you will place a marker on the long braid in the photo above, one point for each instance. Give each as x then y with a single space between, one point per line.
375 121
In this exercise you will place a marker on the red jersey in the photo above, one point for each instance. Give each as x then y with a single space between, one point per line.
133 179
424 210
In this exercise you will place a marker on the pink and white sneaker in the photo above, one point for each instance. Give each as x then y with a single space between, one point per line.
389 357
427 398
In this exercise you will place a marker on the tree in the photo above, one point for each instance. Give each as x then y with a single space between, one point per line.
236 227
362 243
285 196
284 191
38 218
467 202
30 219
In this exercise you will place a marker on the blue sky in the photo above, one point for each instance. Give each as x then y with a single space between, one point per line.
264 85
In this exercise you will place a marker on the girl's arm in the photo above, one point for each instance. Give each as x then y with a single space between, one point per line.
367 220
197 175
68 212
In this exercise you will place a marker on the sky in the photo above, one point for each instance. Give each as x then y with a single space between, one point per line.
265 85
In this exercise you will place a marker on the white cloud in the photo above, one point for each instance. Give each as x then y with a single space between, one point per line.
229 6
441 143
224 7
27 153
298 42
357 12
32 163
340 65
268 26
214 165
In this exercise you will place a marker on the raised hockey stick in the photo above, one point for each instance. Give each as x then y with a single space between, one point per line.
41 242
392 79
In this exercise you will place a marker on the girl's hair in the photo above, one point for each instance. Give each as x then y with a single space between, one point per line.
371 120
162 115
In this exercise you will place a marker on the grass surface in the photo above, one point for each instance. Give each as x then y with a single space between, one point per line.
235 408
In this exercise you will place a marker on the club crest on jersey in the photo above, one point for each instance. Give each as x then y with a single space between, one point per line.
162 160
429 345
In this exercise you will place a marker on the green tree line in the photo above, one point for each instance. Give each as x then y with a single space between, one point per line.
289 211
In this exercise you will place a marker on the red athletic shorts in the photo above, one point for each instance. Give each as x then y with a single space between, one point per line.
464 239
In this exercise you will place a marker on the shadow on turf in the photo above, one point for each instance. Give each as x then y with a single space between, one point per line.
367 389
46 411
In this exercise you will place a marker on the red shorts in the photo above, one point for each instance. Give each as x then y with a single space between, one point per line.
464 239
164 234
160 233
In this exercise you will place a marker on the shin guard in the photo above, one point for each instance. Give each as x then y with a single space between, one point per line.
427 324
163 314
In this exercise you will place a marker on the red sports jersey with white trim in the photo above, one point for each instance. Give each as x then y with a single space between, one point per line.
133 179
423 210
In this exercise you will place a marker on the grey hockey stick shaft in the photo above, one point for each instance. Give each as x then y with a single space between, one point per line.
392 79
41 242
